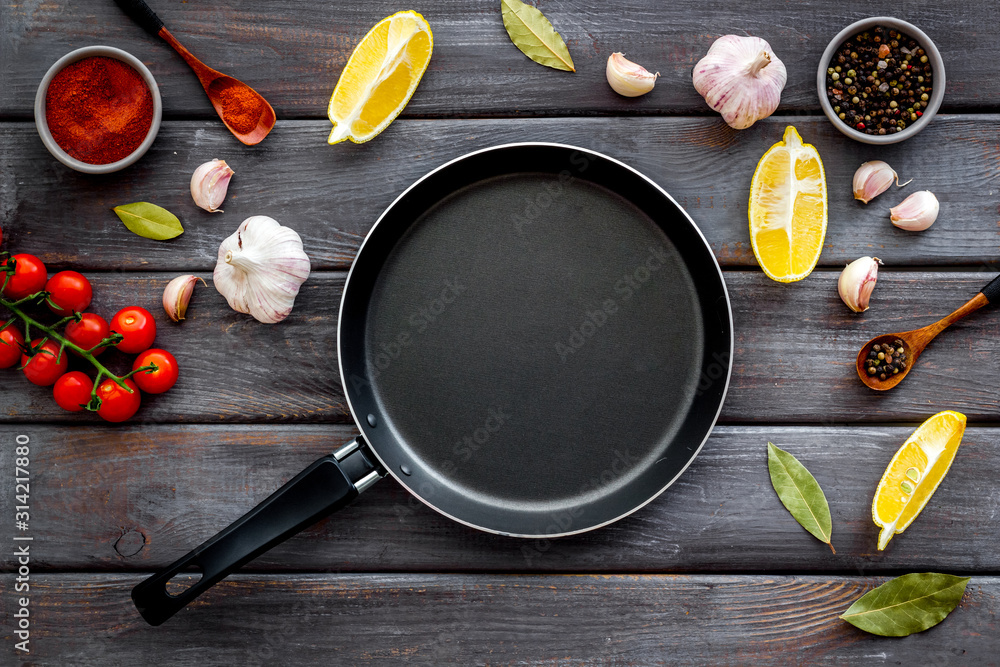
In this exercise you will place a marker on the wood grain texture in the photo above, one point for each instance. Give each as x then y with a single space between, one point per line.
795 354
294 54
139 497
333 195
495 620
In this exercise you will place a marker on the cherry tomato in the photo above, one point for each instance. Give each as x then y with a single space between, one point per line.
11 341
88 332
70 291
29 277
72 391
46 365
117 405
138 327
160 380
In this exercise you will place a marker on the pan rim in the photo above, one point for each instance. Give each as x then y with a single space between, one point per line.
358 422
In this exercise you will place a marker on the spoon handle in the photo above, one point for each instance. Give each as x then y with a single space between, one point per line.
139 11
992 291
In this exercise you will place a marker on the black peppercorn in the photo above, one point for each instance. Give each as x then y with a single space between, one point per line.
886 88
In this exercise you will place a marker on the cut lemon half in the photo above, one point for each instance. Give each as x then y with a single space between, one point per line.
915 472
788 209
380 77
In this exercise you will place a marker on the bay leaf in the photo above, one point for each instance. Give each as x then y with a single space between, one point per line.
800 493
149 220
532 33
907 604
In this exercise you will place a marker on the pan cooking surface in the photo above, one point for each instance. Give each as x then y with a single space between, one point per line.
534 342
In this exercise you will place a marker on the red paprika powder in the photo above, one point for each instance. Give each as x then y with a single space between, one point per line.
99 110
241 108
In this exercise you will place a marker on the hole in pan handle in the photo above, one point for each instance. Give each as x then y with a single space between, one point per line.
329 484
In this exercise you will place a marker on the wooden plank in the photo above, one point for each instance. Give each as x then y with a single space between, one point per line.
294 57
138 497
436 619
795 350
332 195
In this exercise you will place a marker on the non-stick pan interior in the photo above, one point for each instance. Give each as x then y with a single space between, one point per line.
534 344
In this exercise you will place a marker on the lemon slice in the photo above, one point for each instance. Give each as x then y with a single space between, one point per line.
380 77
788 209
915 472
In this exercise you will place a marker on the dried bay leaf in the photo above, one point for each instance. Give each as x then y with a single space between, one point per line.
800 493
149 220
907 604
532 33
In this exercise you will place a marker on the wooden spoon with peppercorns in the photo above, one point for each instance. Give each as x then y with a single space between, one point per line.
243 110
885 360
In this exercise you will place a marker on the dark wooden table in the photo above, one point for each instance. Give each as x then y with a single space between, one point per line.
713 571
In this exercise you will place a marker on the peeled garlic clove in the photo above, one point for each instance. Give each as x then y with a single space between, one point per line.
916 213
260 269
872 179
628 78
857 282
177 296
209 184
741 78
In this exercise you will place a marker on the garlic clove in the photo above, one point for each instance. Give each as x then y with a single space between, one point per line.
260 269
857 282
741 78
627 78
209 185
872 179
177 296
917 212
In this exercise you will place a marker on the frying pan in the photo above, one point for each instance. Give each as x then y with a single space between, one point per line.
534 340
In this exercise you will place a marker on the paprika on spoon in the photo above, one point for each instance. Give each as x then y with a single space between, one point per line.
243 110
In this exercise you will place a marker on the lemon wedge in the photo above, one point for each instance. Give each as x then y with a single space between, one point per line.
915 472
380 77
788 209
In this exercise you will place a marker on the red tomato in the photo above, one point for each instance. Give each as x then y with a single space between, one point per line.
46 365
70 291
29 277
117 405
160 380
138 327
72 391
11 341
88 332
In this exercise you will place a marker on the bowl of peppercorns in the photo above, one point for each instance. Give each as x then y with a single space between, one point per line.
880 80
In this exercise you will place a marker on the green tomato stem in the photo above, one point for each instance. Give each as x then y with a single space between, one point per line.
64 343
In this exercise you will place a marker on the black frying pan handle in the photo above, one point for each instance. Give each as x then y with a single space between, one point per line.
326 486
140 12
992 291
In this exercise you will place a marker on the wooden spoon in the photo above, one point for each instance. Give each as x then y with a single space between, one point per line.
219 87
915 341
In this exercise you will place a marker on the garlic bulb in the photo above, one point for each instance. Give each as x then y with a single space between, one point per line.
261 268
209 184
872 179
857 282
628 78
741 78
916 213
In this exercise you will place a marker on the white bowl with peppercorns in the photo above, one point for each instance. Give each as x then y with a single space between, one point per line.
880 80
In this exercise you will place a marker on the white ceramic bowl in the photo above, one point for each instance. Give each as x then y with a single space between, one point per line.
43 127
933 57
